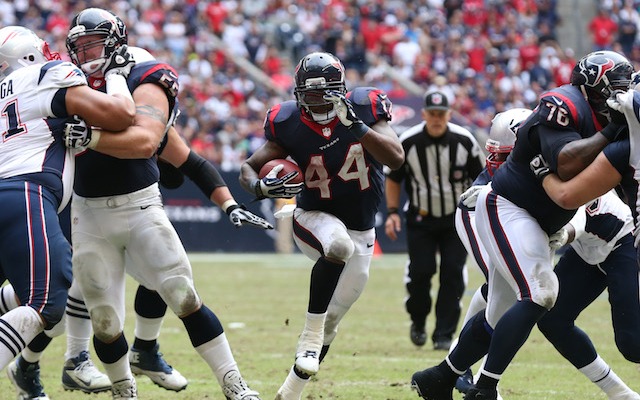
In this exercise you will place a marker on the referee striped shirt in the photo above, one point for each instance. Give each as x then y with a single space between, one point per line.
437 170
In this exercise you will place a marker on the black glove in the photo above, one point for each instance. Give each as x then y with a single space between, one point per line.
239 215
77 134
346 114
272 186
120 62
539 167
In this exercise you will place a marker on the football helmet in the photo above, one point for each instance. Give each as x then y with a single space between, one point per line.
314 75
107 32
502 136
20 47
598 74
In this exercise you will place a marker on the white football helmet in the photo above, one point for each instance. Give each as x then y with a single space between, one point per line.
502 136
20 47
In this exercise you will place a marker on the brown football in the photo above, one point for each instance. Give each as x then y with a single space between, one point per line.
289 166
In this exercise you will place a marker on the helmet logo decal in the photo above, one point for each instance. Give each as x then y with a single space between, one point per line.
597 71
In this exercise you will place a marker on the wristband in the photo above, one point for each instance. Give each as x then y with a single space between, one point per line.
95 138
392 210
117 84
359 129
611 131
232 207
227 205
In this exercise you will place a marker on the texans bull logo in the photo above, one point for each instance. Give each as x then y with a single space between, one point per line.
595 71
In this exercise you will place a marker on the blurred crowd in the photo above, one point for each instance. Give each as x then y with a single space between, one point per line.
487 55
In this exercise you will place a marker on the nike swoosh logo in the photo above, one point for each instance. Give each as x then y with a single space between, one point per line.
369 245
558 102
145 207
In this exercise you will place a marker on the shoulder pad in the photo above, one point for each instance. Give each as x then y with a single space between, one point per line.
154 72
283 111
60 74
557 110
372 101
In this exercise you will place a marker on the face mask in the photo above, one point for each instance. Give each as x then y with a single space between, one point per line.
323 118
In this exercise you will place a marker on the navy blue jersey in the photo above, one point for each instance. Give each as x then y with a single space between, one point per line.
618 155
341 178
562 115
99 175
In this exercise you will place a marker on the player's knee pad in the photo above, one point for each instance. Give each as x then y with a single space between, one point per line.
180 295
340 248
547 292
106 323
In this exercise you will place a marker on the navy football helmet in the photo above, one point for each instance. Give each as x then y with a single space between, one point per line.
108 31
598 74
315 74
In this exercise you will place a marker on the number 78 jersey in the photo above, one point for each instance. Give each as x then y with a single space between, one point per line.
341 177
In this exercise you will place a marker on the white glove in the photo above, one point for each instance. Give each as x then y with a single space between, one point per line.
239 216
77 134
346 114
558 239
614 101
272 186
470 196
120 62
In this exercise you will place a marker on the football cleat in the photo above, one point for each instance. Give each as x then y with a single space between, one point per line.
475 393
431 384
308 362
26 382
79 373
152 364
627 395
124 390
234 387
465 381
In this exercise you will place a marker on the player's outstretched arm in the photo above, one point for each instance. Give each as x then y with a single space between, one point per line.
208 179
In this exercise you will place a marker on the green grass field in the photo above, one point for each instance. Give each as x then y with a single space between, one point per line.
261 300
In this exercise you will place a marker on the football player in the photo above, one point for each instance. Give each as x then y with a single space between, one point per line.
38 93
570 126
118 207
601 240
340 140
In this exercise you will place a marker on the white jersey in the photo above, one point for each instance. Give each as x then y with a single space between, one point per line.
599 225
30 111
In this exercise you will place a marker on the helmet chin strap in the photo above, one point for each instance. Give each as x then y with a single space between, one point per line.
323 118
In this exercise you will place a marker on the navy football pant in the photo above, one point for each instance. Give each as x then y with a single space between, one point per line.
580 285
34 255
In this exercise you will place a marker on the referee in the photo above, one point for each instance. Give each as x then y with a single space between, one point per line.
441 161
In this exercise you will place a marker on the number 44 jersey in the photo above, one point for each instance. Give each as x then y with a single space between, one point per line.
341 177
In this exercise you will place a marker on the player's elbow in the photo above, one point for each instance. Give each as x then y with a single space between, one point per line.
396 159
567 201
125 117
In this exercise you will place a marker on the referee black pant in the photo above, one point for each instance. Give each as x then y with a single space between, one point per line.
426 237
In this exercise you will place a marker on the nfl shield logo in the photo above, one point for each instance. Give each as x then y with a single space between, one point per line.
326 131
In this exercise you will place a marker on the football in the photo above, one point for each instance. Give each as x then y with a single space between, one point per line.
289 166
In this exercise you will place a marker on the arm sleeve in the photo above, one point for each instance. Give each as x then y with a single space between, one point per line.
202 173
